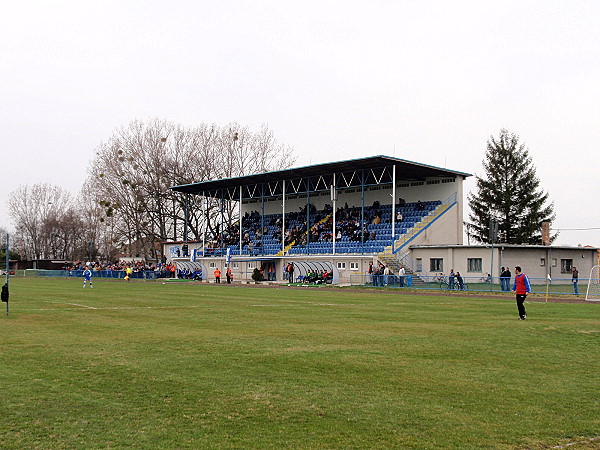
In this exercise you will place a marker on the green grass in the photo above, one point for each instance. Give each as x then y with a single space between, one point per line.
203 366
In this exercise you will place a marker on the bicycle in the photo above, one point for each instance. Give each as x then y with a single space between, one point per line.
439 279
456 287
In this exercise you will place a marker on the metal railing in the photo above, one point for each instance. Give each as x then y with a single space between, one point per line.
561 286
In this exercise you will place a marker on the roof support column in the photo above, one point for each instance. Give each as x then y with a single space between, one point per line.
205 219
240 214
307 215
393 204
283 218
334 202
362 211
186 217
262 219
222 219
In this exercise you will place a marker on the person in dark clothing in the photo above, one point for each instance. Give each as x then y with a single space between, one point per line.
459 280
505 279
521 288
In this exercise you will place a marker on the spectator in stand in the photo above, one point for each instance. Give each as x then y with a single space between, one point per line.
420 205
399 217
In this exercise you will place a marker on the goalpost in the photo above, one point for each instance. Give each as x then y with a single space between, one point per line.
593 289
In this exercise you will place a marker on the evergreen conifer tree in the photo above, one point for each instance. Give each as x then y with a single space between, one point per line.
509 193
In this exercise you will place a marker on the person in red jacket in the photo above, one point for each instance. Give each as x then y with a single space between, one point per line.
521 288
217 275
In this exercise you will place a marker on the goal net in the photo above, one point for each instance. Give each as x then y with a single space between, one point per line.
593 289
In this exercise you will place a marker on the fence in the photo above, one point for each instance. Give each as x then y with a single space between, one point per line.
146 274
563 286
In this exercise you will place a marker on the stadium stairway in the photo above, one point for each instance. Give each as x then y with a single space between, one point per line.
390 256
289 246
419 227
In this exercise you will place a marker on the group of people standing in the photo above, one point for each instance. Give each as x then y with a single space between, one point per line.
228 275
505 276
380 275
455 280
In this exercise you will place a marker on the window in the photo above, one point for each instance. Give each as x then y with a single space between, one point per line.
566 265
235 265
419 262
250 265
353 266
212 264
474 265
436 264
341 265
542 261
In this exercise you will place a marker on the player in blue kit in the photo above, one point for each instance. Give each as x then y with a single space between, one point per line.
87 276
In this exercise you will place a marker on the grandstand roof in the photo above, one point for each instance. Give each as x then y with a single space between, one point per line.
405 170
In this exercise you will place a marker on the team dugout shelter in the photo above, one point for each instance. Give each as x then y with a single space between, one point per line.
335 217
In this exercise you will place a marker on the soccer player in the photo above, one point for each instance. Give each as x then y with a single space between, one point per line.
87 276
521 288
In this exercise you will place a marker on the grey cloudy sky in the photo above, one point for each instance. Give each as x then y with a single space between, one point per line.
427 81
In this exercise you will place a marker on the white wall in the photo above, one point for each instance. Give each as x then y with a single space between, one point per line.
528 257
410 191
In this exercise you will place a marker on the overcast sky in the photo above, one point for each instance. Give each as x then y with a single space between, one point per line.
427 81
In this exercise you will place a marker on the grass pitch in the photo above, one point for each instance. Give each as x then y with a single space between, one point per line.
153 365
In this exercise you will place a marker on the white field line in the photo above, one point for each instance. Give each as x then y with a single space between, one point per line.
570 444
285 303
83 306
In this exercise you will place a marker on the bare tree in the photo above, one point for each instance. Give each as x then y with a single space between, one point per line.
133 171
35 211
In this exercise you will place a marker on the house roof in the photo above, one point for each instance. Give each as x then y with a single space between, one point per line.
512 246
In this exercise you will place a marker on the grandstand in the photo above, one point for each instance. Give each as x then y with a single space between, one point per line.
340 215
